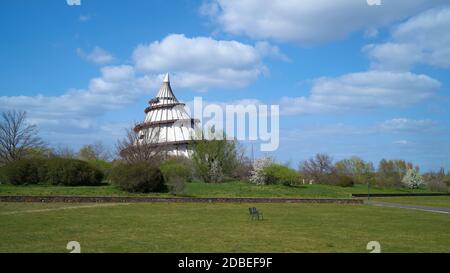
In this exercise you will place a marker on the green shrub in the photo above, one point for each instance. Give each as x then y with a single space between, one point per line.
341 180
101 165
71 172
280 174
55 171
171 168
138 177
175 175
2 175
22 172
214 158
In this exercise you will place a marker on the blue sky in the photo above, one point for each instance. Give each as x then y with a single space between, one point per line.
350 78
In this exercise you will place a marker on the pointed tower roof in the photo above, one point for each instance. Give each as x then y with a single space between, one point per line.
165 91
166 78
167 124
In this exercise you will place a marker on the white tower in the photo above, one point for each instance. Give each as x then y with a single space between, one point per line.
167 125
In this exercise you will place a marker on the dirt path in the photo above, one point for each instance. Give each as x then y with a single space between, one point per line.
61 208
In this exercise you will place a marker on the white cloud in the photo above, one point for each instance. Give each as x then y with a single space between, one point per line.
77 109
198 62
223 104
307 21
363 90
203 62
266 49
98 55
407 125
73 118
423 39
73 2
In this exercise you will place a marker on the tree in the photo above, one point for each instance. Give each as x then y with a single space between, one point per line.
63 152
434 176
412 179
258 174
436 181
140 147
244 165
362 172
95 151
391 172
214 158
17 136
87 153
318 168
39 152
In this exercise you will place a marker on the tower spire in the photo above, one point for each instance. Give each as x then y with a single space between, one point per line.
166 78
165 91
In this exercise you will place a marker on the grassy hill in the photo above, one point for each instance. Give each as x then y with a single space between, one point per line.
198 189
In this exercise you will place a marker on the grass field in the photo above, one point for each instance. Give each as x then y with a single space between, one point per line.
197 189
219 228
196 227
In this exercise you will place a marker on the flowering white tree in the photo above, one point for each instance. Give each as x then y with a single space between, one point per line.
258 175
412 179
216 172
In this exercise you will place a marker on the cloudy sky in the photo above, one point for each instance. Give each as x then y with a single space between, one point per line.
350 78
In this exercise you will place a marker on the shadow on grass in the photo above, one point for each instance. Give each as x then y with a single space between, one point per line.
296 186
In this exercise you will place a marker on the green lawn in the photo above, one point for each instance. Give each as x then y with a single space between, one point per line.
197 189
197 227
106 190
431 201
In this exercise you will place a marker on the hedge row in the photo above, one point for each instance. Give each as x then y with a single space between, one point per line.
142 177
54 171
280 174
176 175
138 177
283 175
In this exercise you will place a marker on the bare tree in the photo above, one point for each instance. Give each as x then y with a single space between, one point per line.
94 151
63 151
17 137
101 151
318 167
244 165
140 146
